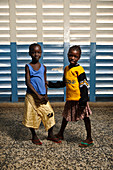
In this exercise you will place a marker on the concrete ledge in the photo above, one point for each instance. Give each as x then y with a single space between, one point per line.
55 104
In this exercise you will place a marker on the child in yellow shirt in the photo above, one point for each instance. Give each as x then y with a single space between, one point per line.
76 106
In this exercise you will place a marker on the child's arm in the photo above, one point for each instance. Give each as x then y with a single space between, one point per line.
45 79
28 84
83 84
45 83
57 84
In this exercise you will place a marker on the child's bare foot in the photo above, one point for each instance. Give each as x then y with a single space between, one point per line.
59 136
87 140
54 139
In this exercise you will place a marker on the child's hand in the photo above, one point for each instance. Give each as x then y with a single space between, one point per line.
46 97
81 108
43 99
82 105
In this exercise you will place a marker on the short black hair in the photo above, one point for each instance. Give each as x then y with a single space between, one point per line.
75 47
33 45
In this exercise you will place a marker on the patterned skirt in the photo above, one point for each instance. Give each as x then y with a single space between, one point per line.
72 111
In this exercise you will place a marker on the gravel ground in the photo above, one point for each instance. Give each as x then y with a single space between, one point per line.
18 152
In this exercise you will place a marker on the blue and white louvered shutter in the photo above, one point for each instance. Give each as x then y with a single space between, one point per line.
104 51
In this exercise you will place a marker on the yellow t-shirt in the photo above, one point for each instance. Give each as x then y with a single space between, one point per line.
72 84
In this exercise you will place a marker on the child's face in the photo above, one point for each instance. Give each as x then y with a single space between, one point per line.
35 53
73 57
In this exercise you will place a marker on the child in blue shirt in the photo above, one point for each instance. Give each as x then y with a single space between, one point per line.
37 107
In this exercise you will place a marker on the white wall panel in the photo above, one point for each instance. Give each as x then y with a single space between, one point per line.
104 22
4 22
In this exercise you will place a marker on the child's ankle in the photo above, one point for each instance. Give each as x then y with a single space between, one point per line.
34 137
89 139
61 134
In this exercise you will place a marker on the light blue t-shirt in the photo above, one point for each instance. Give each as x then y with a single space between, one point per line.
37 80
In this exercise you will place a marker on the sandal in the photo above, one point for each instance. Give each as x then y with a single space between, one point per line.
53 139
85 144
59 137
36 141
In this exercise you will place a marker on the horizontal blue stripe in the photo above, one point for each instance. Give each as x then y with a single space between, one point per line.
4 68
104 88
5 61
57 46
85 47
104 81
104 61
53 54
54 74
22 47
4 46
85 54
23 61
104 47
22 54
5 95
104 75
5 90
7 75
104 53
104 95
5 54
104 68
5 82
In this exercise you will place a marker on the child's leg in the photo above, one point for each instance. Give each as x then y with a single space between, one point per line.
88 141
63 126
50 132
88 128
35 139
34 136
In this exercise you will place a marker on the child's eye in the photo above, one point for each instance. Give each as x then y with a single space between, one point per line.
33 52
75 56
70 55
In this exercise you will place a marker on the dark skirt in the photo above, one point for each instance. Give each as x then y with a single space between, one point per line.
72 111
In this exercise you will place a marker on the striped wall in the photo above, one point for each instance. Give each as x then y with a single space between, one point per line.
56 25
